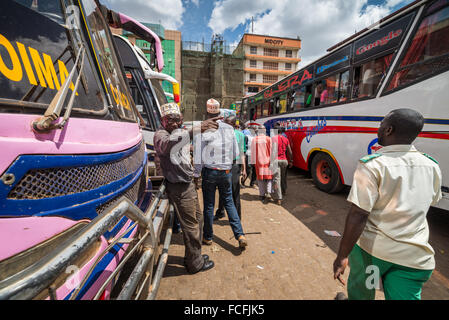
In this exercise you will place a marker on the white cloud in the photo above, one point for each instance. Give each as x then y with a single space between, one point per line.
167 12
196 2
319 23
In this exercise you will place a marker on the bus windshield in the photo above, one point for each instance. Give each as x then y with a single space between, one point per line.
38 52
39 49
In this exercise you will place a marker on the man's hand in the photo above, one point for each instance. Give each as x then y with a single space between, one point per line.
340 265
210 124
244 175
196 180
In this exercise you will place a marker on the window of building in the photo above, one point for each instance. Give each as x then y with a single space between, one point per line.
270 52
288 66
428 52
253 50
367 77
270 65
253 89
252 77
267 78
253 64
288 53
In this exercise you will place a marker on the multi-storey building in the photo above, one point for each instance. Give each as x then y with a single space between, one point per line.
267 60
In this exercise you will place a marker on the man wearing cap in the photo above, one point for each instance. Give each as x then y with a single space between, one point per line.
214 154
172 145
238 170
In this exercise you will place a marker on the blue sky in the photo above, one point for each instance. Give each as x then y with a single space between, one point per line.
319 23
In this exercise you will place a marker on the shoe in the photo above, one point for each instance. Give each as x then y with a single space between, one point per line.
205 257
340 296
176 230
208 264
266 200
218 216
242 242
207 242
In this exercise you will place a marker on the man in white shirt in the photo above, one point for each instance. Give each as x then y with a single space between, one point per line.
214 154
386 233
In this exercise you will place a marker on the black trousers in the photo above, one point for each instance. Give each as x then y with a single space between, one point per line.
235 171
250 173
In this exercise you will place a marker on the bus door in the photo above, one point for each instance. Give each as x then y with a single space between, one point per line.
140 88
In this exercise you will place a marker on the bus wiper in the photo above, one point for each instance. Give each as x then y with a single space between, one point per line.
45 123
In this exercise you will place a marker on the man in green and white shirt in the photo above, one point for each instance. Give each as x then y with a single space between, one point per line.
386 233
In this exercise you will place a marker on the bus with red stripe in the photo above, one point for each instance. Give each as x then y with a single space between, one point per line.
332 108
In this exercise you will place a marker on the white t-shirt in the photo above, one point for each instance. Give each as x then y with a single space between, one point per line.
397 188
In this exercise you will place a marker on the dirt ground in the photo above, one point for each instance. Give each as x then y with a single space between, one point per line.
289 255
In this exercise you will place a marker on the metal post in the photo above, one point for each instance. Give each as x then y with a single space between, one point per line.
163 259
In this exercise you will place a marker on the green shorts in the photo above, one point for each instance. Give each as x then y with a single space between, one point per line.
399 282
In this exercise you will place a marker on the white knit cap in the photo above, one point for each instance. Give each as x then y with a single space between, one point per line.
213 106
170 108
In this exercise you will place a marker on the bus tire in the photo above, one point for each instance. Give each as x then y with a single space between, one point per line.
325 173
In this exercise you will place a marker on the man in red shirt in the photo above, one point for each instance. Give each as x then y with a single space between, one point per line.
284 160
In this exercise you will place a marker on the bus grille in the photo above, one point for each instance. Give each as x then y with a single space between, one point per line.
55 182
132 194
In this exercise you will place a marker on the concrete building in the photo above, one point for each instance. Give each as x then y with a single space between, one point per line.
209 71
267 60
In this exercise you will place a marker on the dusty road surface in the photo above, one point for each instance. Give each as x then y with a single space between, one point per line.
289 255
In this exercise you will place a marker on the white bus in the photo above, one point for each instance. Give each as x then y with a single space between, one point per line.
332 108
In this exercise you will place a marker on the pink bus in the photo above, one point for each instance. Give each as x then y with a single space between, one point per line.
76 200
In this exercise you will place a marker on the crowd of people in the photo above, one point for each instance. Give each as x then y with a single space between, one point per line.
392 190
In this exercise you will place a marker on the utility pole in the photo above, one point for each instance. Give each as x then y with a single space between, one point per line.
252 25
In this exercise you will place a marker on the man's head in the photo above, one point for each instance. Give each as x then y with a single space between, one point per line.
277 127
213 108
171 116
378 66
400 126
261 131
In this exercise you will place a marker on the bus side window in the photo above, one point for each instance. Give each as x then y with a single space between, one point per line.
282 105
343 87
265 108
333 89
317 94
368 76
272 107
251 113
290 101
308 97
298 102
428 51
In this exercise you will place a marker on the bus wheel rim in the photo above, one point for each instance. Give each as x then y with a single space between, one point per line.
322 172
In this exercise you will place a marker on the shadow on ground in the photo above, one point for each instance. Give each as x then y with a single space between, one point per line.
320 211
